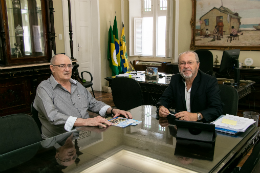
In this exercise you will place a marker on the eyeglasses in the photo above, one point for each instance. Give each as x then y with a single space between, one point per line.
63 66
184 63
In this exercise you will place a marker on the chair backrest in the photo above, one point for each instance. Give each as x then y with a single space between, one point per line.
206 61
16 131
17 157
172 68
35 116
127 93
229 96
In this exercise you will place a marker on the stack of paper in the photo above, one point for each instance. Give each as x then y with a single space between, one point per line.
138 77
123 75
232 124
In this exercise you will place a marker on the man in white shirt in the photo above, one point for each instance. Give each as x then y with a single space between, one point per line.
63 103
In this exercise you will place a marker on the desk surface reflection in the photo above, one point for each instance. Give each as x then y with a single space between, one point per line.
152 139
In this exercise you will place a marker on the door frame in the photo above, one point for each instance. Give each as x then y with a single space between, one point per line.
95 33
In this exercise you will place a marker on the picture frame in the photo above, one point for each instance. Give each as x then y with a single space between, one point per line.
213 22
151 74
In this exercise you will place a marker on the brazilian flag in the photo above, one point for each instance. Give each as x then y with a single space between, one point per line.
123 53
111 53
115 33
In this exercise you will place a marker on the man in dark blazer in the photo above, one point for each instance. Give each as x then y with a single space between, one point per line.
193 94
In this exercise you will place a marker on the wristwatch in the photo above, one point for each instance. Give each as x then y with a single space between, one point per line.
112 111
199 116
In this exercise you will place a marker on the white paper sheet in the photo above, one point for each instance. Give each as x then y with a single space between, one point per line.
241 125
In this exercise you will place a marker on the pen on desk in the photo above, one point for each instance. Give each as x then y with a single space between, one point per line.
171 114
174 116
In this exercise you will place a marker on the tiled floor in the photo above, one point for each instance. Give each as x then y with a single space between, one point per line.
104 97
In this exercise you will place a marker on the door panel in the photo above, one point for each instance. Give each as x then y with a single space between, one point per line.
86 33
84 39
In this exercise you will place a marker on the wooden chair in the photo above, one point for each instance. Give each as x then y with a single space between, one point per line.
87 84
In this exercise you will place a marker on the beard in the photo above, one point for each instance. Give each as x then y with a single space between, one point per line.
188 76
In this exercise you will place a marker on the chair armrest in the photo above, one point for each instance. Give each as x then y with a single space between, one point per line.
88 73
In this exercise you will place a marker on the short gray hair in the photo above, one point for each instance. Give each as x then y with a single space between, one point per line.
54 58
186 52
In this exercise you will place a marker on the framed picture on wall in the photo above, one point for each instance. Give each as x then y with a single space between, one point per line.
225 24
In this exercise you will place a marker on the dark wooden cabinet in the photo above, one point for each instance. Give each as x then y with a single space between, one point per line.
14 95
26 45
18 87
26 31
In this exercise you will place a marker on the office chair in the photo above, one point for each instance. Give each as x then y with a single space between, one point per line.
206 61
17 130
127 93
18 157
172 68
35 116
229 96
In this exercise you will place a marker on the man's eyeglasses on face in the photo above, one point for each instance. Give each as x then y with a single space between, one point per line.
184 63
63 66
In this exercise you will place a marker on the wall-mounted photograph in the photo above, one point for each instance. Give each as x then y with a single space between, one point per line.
225 24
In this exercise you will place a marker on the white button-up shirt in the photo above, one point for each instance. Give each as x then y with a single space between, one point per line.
187 97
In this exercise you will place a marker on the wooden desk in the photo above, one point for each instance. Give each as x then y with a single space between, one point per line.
244 89
252 101
153 91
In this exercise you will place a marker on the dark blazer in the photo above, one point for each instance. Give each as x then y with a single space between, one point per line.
204 97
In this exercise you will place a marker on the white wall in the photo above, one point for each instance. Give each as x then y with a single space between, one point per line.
184 40
107 10
185 35
58 24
